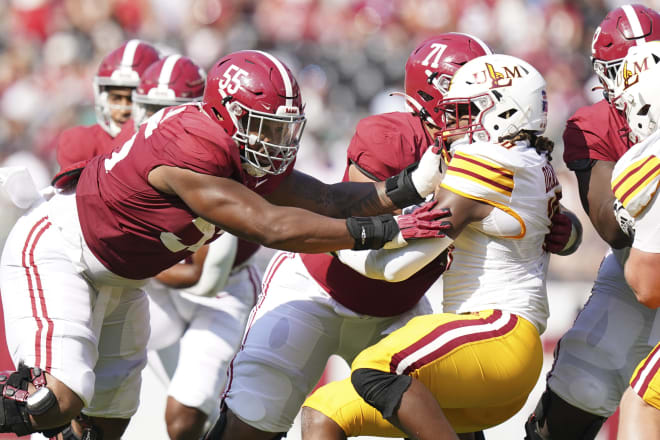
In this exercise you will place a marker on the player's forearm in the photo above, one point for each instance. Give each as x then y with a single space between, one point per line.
594 187
297 230
395 265
339 200
603 219
180 276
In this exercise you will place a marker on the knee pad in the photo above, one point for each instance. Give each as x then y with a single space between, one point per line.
17 403
381 390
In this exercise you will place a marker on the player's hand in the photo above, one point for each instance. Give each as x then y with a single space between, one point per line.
565 234
424 222
428 173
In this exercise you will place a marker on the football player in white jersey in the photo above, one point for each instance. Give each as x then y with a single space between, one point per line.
473 366
635 182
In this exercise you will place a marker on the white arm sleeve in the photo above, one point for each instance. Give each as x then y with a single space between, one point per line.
647 228
395 265
217 265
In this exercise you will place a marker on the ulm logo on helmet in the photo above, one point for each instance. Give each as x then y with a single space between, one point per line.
499 79
631 77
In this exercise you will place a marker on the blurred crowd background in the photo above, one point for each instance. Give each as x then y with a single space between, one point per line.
348 56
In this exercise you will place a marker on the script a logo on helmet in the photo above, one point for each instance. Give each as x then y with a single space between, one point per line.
631 77
499 79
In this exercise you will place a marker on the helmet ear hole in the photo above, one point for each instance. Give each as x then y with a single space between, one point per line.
644 110
425 96
507 113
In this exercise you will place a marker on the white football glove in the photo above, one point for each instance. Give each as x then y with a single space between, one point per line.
428 174
625 220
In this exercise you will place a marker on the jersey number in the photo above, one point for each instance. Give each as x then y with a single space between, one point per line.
437 50
232 79
174 244
152 123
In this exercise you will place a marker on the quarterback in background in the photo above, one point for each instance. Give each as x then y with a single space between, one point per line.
117 76
635 183
473 366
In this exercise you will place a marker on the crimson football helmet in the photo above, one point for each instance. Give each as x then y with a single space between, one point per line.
621 29
430 67
120 68
256 100
173 80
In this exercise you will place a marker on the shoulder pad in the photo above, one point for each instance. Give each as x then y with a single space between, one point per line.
479 176
636 177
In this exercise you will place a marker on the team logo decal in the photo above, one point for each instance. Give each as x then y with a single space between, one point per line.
629 76
498 79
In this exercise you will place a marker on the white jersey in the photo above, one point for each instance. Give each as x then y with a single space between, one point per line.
499 262
635 182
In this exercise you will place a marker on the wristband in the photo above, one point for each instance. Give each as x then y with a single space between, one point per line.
401 190
372 232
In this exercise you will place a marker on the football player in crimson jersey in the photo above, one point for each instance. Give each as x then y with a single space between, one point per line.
635 181
613 332
73 267
201 303
472 366
116 78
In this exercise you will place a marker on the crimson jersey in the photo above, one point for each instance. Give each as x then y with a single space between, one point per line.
80 143
137 231
382 146
595 132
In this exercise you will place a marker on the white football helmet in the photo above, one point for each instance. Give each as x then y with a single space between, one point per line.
636 91
500 95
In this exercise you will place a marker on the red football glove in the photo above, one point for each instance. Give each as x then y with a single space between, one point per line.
424 222
565 234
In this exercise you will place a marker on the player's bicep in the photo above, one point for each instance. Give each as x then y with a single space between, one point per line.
221 201
356 174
